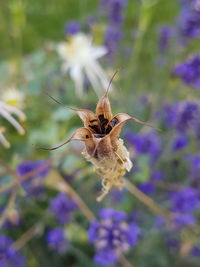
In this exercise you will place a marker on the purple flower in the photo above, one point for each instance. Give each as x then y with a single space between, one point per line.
62 206
181 115
189 71
168 114
57 241
113 34
186 200
188 115
197 129
195 251
159 221
72 27
189 21
172 242
137 217
196 5
180 142
157 176
116 11
105 257
165 34
146 143
112 37
194 167
181 220
34 185
117 196
147 187
112 235
9 257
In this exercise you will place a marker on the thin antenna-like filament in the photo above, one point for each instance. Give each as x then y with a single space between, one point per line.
110 82
54 148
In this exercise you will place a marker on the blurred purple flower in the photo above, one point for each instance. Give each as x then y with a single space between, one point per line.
72 27
159 221
168 114
157 176
186 200
189 21
182 115
117 196
34 185
112 235
136 217
112 37
188 115
197 129
148 143
194 161
196 5
113 34
147 187
189 71
165 33
195 251
180 142
9 257
172 242
62 206
57 241
183 220
116 11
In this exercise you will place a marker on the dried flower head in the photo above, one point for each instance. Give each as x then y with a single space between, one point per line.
104 149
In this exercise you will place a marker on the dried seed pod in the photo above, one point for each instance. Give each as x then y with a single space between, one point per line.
104 149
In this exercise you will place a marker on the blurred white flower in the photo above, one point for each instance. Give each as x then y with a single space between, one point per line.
9 107
3 140
13 97
6 110
80 57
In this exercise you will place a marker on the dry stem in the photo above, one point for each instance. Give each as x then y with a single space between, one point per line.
27 236
19 179
147 200
55 181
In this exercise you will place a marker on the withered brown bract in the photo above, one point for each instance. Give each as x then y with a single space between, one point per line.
104 149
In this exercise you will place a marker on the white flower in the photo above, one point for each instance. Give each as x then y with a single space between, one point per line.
80 58
3 140
13 97
6 111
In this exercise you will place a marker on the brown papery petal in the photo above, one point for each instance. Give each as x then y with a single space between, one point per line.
122 118
81 134
87 116
103 105
104 108
85 135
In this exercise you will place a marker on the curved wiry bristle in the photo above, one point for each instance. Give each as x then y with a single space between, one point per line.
52 148
107 90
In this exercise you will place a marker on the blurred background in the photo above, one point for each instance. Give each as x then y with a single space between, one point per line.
69 50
